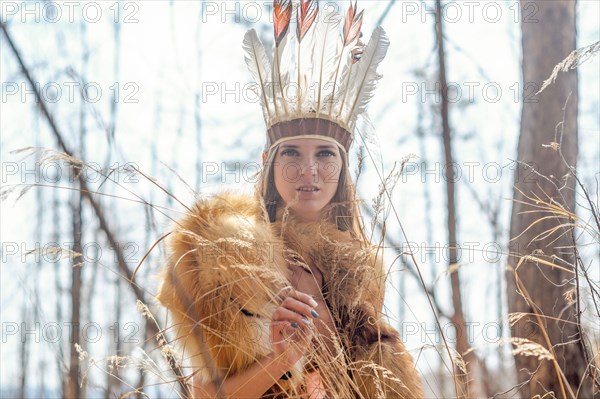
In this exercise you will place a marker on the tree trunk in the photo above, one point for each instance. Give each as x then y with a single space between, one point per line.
61 365
23 356
548 36
73 388
467 386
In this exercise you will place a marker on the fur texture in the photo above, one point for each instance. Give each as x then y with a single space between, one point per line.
375 357
228 270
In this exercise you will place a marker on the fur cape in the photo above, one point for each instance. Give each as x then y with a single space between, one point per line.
227 271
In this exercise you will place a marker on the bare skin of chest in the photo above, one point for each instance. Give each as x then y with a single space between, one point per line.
309 283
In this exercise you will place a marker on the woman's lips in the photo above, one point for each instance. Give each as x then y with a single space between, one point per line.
307 189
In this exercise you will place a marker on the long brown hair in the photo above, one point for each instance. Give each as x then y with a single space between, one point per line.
342 210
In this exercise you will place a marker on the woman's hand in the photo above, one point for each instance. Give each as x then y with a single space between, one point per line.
292 327
314 386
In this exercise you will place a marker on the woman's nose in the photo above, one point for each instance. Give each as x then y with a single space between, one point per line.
310 167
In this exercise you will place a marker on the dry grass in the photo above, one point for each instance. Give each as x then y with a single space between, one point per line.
338 366
573 60
549 208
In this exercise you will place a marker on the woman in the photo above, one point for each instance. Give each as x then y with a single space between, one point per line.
280 294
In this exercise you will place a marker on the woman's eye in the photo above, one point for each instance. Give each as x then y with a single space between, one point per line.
326 153
289 152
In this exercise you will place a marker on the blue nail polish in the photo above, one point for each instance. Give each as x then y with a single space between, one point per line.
294 324
314 313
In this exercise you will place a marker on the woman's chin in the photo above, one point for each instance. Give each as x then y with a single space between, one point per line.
308 211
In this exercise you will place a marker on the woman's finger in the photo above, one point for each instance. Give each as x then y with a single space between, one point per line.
284 313
300 307
280 330
285 333
303 297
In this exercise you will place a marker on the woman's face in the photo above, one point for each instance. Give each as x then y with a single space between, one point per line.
306 173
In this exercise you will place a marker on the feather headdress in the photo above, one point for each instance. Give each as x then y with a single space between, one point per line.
320 76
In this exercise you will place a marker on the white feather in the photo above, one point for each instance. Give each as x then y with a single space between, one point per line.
327 41
305 67
360 78
283 69
341 68
260 68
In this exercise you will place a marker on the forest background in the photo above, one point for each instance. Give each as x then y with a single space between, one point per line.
155 98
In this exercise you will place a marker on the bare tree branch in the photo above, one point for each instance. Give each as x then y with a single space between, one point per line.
98 211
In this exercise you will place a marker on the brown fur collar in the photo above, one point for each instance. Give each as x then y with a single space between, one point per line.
227 270
354 278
